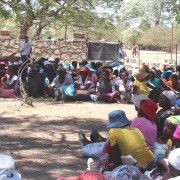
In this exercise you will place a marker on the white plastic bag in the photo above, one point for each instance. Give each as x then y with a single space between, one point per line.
93 149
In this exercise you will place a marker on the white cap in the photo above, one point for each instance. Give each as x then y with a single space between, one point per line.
51 59
136 99
46 63
7 168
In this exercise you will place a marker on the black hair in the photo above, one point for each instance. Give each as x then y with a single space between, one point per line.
93 65
74 63
61 70
98 64
116 72
11 68
159 71
106 72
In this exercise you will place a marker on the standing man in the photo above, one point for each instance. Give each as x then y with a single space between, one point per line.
26 48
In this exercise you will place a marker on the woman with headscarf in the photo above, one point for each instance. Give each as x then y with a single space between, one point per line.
124 86
166 74
85 85
166 102
9 86
176 137
49 70
174 82
62 79
173 131
92 73
153 79
173 164
145 122
84 81
170 126
106 89
162 144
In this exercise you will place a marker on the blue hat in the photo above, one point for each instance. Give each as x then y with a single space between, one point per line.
99 70
177 102
90 68
117 119
66 64
165 73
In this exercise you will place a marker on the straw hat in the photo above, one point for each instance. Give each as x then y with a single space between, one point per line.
142 74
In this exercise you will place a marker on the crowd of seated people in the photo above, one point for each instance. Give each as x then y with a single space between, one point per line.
149 143
152 138
87 81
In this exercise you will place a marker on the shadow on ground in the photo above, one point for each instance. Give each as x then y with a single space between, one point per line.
46 148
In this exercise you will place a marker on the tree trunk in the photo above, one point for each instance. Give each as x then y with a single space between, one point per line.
38 31
24 29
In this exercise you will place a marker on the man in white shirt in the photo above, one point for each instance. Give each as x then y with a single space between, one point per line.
25 49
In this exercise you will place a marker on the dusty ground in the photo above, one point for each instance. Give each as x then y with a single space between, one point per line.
155 56
43 139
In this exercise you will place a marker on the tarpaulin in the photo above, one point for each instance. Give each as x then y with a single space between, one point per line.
103 51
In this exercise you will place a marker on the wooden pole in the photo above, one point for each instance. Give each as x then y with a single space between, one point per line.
65 33
176 56
172 29
139 57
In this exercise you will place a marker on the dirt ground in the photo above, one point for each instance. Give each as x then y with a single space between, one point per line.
43 140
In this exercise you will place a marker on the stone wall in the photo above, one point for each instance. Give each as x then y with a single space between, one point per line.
65 50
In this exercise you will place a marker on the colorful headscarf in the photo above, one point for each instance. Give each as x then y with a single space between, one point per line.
177 132
175 120
174 158
149 108
84 69
171 96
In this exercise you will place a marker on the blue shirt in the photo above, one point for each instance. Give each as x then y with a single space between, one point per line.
155 81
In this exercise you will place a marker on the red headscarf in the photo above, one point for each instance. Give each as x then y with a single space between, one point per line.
84 69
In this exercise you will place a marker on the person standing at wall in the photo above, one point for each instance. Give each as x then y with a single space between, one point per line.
25 49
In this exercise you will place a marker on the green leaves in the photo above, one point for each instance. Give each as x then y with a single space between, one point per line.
173 6
69 13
